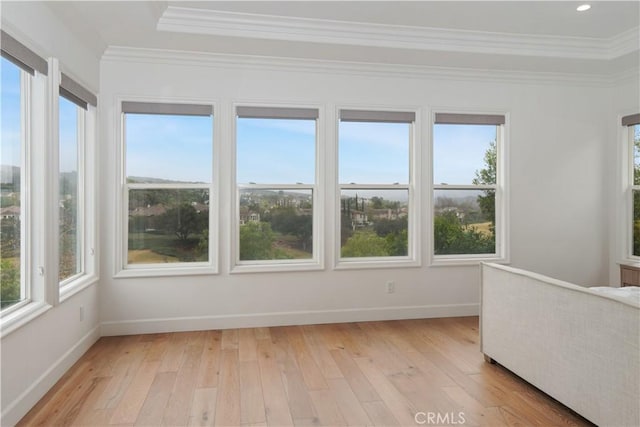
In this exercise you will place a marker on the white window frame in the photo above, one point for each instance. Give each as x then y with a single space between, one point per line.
316 262
413 257
628 169
122 268
501 254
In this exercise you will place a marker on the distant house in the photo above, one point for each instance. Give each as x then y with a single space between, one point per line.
248 216
10 212
149 210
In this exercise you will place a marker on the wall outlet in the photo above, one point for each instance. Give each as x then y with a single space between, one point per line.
391 287
81 313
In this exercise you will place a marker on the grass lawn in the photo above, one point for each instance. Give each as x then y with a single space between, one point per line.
147 256
483 227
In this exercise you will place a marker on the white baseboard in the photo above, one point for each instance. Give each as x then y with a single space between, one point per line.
199 323
18 408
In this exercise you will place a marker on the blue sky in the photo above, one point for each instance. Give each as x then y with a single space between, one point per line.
10 113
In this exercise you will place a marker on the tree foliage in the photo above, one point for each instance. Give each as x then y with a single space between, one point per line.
487 176
184 220
9 283
452 237
365 243
256 240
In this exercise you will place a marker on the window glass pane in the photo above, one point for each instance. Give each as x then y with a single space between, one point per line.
275 151
276 224
636 222
168 148
636 155
374 153
464 154
168 225
374 223
464 222
69 205
12 290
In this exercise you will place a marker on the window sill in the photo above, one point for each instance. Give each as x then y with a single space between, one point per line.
151 271
22 316
276 267
79 284
371 263
465 260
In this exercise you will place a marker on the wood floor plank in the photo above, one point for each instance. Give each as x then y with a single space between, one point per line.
310 371
127 410
275 397
210 363
156 401
251 397
349 405
228 395
360 385
379 414
365 373
179 405
203 409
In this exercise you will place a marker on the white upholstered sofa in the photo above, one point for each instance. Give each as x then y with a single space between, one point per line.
580 346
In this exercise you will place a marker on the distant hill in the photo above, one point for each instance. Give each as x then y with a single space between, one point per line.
149 180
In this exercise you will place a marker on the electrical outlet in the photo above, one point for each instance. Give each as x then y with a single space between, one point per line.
81 313
391 287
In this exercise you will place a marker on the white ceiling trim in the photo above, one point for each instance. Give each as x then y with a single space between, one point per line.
213 22
363 69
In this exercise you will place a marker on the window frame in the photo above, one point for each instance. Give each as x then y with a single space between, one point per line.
502 253
26 101
86 129
628 172
122 269
316 262
370 114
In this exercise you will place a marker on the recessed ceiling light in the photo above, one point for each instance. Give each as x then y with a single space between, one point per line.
583 7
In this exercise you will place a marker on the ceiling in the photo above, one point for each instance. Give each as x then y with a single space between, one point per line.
540 36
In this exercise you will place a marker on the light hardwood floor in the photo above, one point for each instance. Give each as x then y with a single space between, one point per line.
369 373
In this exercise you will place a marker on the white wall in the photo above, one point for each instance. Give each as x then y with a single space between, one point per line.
36 355
559 225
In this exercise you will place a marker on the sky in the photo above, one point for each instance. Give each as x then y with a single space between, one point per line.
269 151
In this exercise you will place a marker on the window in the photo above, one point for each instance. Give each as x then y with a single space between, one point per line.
633 137
70 206
76 115
468 192
167 185
376 197
276 186
13 139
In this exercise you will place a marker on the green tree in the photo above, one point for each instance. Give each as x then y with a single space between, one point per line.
185 220
487 176
365 243
256 241
9 283
452 237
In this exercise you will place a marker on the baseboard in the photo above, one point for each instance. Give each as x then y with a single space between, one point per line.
199 323
27 400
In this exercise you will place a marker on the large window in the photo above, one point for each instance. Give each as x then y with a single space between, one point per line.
167 185
76 126
633 137
375 185
276 185
70 203
467 203
12 174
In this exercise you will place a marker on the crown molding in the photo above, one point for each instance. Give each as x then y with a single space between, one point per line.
362 69
212 22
